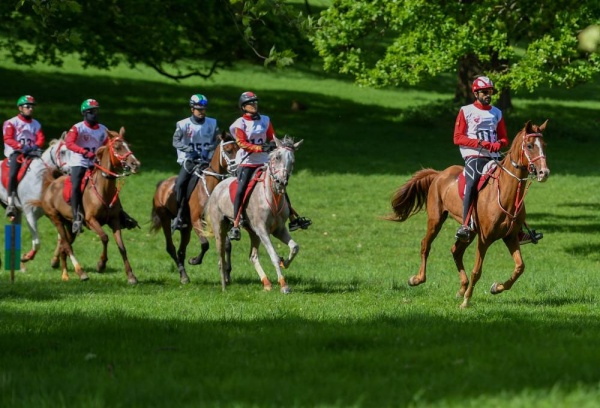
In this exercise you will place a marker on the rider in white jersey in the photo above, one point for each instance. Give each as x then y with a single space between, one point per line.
195 139
22 134
254 135
84 139
480 132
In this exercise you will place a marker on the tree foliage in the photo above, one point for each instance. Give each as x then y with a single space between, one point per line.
521 44
170 36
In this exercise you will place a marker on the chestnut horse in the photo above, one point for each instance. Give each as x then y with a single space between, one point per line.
100 202
266 212
164 204
498 212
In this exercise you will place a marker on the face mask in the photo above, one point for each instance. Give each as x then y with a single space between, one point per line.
91 117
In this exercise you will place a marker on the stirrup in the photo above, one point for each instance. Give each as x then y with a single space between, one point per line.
463 233
234 234
127 221
533 237
11 211
177 224
300 222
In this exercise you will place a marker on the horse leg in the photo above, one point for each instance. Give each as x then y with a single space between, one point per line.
512 243
254 245
275 259
97 228
227 259
54 262
204 246
284 236
435 221
220 231
66 249
458 252
476 274
131 279
31 218
183 243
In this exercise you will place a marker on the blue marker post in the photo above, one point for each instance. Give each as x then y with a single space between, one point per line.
12 248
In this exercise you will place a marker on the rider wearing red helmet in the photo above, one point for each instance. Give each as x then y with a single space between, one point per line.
254 135
22 134
480 132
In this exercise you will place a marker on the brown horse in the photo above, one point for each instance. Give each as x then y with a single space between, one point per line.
100 202
498 212
164 204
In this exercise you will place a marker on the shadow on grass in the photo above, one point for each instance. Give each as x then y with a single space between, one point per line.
340 136
292 361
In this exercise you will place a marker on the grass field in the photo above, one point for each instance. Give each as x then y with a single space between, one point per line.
352 333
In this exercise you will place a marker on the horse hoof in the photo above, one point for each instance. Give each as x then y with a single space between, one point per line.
54 263
132 281
494 289
267 288
195 261
184 280
83 277
286 290
412 281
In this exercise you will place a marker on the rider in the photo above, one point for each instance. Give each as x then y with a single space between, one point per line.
84 139
254 133
22 134
195 139
480 132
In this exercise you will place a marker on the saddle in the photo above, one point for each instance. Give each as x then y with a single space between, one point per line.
259 174
25 162
488 170
67 187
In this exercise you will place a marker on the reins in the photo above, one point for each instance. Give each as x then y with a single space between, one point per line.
110 174
530 168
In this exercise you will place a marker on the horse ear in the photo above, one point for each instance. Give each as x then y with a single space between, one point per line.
277 141
64 134
528 127
122 131
297 144
543 126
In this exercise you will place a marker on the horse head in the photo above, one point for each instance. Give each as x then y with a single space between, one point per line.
56 156
529 146
120 158
281 161
227 151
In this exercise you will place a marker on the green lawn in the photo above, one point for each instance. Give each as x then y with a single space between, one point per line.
352 333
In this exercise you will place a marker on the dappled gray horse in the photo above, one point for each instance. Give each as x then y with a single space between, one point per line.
54 158
266 212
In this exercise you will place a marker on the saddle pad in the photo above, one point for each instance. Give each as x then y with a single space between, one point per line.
20 174
488 170
67 186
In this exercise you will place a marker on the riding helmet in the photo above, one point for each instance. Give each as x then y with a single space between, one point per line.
89 104
26 100
247 97
482 82
198 101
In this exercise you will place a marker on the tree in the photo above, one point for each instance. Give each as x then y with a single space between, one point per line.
521 44
171 36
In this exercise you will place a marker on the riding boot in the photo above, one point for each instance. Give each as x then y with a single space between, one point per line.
11 210
178 222
77 222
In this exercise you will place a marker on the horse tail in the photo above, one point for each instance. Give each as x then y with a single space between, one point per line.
155 222
412 196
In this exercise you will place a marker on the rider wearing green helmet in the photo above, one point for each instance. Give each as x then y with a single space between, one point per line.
22 135
84 139
195 139
254 134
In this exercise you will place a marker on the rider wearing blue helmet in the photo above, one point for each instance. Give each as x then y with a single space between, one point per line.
195 140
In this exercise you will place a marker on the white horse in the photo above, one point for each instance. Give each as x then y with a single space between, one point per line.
266 212
54 158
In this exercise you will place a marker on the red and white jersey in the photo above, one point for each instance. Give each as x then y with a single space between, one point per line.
250 135
479 123
19 132
82 136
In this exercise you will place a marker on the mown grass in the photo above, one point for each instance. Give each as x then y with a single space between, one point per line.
352 333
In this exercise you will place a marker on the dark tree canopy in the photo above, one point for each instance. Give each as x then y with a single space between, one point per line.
170 36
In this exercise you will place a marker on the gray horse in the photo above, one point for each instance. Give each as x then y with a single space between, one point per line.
266 212
54 158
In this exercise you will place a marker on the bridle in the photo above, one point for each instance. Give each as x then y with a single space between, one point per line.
116 160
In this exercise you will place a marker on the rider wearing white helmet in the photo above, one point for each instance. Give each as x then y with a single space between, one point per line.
22 134
195 139
480 132
254 135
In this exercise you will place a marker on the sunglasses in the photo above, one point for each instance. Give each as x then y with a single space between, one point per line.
27 106
487 91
